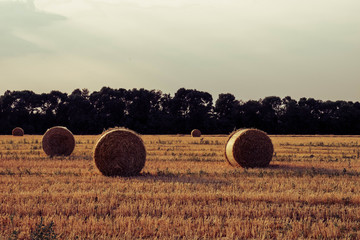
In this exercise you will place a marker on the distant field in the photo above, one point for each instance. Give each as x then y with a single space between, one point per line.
186 191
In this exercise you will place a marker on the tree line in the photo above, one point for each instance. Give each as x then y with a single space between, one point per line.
154 112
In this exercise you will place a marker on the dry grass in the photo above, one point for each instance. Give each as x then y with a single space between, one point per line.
186 190
18 131
120 152
58 141
249 148
196 133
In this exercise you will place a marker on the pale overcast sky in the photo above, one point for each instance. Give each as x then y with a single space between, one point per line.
250 48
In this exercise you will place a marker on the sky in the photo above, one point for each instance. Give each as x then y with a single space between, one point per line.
250 48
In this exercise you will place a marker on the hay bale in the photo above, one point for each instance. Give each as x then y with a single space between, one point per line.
196 133
58 141
249 148
18 131
120 152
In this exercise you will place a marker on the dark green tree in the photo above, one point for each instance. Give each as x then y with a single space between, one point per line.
226 107
110 106
269 114
81 113
192 109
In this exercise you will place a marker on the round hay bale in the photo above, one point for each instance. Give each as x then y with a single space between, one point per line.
249 148
58 141
196 133
18 131
120 152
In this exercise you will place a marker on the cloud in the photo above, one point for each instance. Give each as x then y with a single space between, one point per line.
250 48
20 19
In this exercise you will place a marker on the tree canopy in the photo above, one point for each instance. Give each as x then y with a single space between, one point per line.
154 112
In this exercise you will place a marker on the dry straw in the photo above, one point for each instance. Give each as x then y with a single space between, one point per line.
58 141
249 148
120 152
196 133
18 131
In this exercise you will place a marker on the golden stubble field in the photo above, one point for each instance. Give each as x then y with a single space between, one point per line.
186 191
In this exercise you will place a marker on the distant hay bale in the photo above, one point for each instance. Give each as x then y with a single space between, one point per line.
58 141
249 148
120 152
196 133
18 131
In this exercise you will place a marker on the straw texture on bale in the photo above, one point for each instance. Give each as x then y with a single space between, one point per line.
58 141
18 131
120 152
249 148
196 133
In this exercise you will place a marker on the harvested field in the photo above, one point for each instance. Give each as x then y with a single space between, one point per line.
186 190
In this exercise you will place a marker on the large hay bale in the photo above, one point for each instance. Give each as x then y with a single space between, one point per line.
18 131
249 148
196 133
58 141
120 152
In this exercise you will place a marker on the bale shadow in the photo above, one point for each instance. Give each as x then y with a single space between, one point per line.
314 170
175 178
